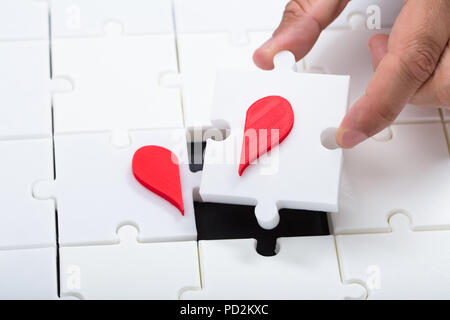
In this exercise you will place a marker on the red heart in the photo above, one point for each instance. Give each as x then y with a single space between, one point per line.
157 169
263 116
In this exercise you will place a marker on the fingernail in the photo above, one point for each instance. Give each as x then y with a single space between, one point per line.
351 138
266 44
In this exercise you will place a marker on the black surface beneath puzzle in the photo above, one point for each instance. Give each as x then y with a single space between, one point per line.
196 151
217 221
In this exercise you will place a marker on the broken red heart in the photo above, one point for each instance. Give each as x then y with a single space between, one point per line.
157 169
268 122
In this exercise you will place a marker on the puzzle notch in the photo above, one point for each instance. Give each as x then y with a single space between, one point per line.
386 262
113 196
136 268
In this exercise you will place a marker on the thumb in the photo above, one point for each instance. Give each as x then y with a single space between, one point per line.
302 23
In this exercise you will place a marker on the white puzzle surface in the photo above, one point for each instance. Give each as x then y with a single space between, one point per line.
23 20
28 274
383 11
131 73
25 88
402 264
304 268
330 55
85 18
288 177
414 177
115 83
24 221
97 192
233 16
130 269
200 56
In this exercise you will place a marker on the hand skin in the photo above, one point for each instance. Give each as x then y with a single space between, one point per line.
412 64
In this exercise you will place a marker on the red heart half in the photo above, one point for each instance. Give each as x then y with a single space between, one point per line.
268 122
157 169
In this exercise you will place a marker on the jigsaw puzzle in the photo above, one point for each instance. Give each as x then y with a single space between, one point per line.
400 264
206 43
25 222
413 178
129 66
286 177
87 18
130 269
24 20
99 96
97 193
306 268
28 274
25 89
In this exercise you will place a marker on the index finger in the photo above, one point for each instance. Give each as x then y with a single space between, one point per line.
300 27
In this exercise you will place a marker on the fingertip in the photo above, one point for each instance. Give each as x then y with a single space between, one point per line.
263 59
349 138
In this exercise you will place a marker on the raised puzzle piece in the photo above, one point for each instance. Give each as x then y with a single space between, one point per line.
304 268
25 222
267 123
23 20
300 174
28 274
25 88
130 269
401 264
114 82
157 169
414 177
96 191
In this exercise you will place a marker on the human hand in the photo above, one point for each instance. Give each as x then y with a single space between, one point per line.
412 65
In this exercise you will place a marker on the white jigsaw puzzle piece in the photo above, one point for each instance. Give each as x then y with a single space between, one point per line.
401 264
304 268
408 173
82 18
200 55
28 274
331 55
96 191
130 269
384 12
234 17
25 222
115 82
23 20
25 88
301 173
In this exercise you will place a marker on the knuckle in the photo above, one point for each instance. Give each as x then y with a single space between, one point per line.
420 59
294 9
